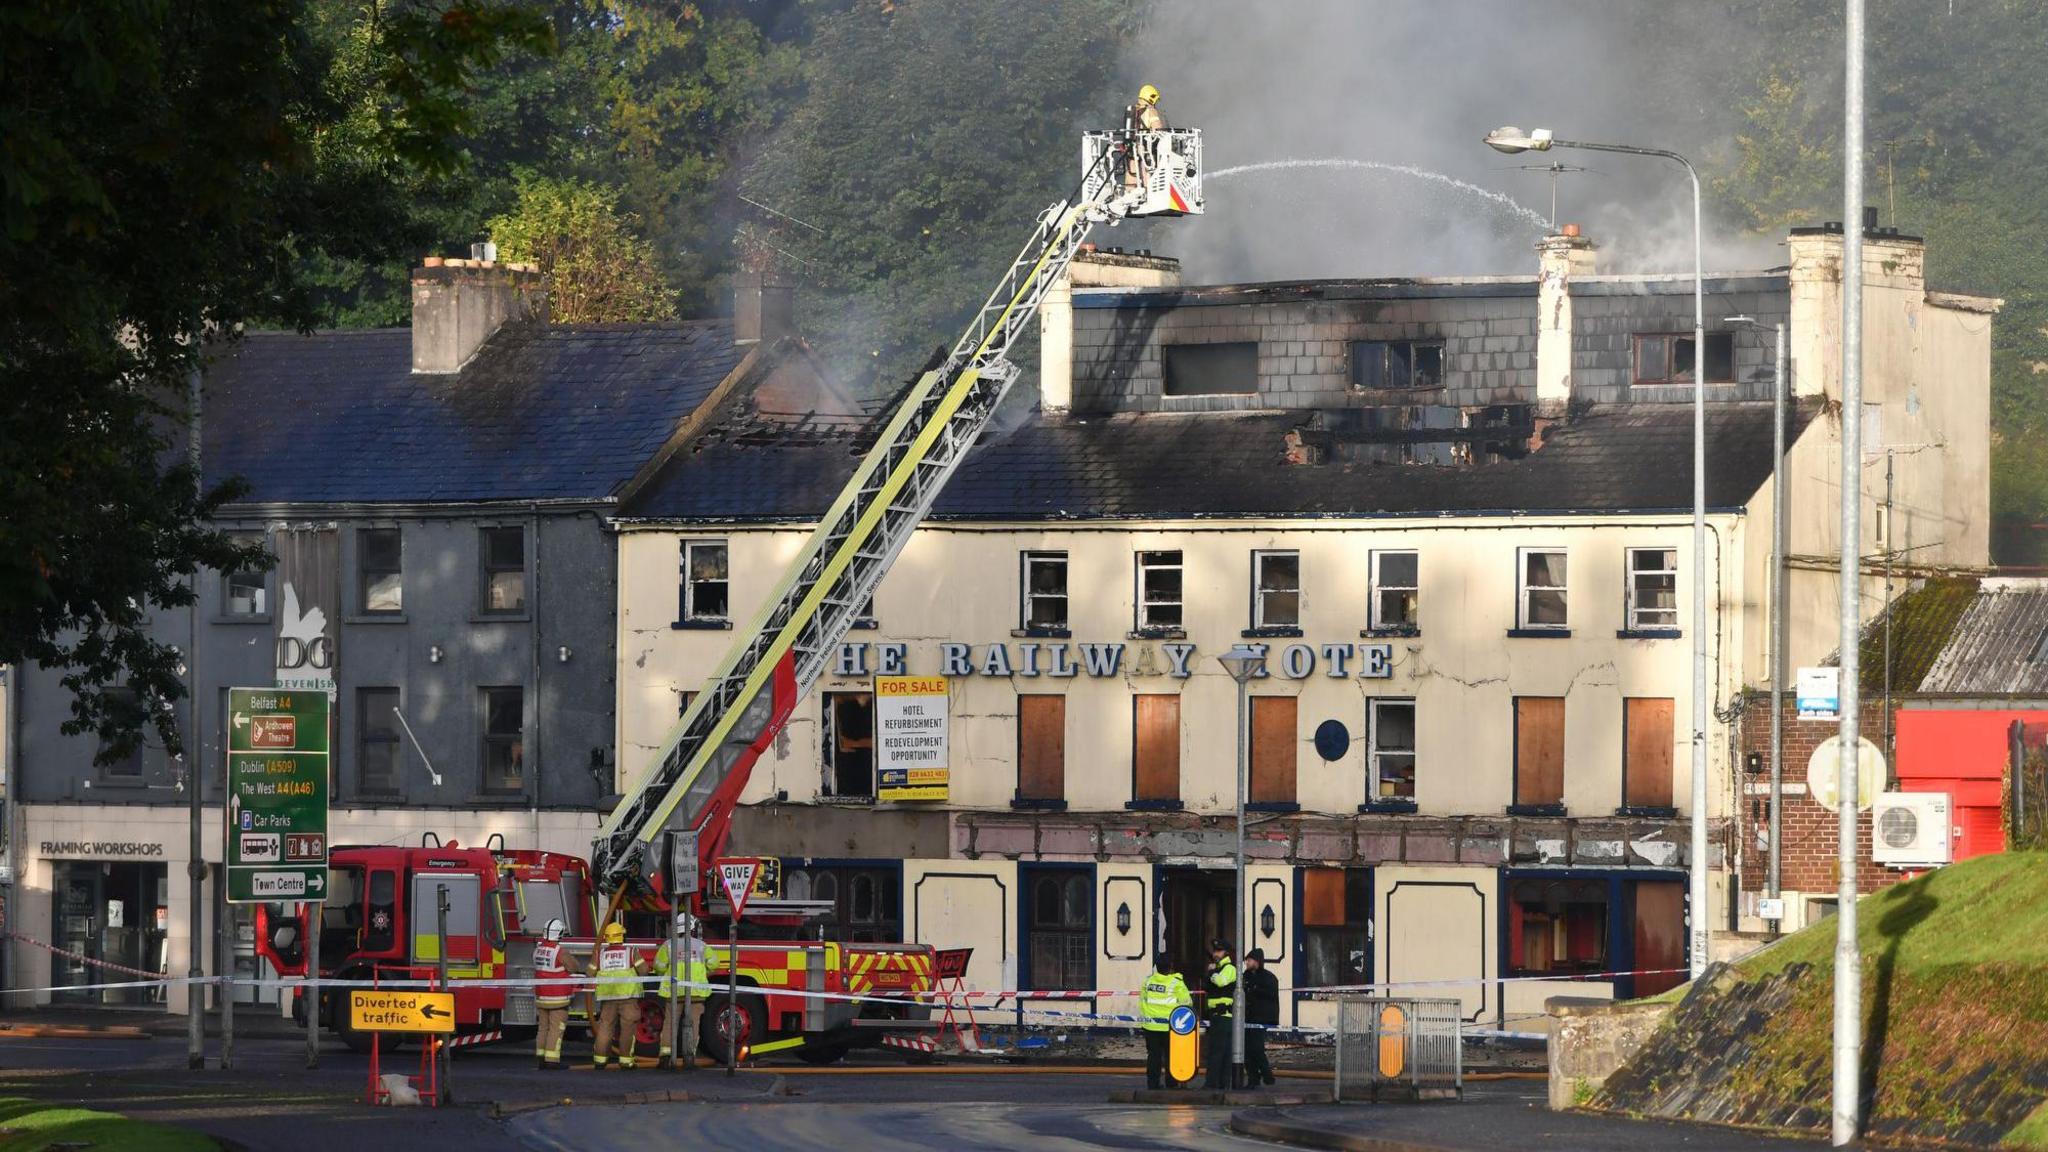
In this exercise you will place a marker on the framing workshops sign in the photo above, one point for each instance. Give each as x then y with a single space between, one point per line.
277 795
910 737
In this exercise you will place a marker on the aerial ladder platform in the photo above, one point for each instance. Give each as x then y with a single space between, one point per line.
703 765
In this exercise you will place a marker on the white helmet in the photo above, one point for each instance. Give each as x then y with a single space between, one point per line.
683 922
554 930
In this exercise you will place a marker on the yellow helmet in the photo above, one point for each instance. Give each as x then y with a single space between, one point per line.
1148 95
614 932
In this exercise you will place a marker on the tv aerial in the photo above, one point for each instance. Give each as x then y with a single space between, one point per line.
1556 168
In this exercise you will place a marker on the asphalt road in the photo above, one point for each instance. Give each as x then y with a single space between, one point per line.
1050 1126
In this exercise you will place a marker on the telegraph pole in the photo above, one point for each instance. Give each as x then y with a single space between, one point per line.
1848 1078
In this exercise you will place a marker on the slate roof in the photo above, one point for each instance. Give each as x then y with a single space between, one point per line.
541 413
1620 458
1923 623
1997 644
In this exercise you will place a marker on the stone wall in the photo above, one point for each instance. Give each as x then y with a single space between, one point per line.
1592 1039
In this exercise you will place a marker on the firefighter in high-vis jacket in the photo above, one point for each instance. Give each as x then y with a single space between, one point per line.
618 998
1164 992
552 991
688 979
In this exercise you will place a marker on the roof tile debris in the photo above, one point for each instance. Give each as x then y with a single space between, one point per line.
1619 458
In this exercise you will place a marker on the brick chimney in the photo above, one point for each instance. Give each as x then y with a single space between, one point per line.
1092 267
1894 280
458 304
763 308
1560 257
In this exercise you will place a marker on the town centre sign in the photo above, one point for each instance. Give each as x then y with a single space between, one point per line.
1062 659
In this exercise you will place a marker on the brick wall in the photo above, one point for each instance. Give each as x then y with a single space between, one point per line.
1808 861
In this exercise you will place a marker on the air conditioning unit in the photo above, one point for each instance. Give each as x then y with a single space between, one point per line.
1910 829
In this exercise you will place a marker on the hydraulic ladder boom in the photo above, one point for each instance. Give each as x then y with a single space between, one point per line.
707 757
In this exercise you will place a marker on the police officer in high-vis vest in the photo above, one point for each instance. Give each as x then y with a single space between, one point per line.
1164 992
552 991
688 979
618 998
1222 1004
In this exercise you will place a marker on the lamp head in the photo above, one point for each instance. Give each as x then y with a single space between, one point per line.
1512 140
1243 663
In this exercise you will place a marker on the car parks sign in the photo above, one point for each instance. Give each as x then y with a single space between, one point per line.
277 795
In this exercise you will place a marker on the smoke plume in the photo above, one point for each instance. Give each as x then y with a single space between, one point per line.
1417 84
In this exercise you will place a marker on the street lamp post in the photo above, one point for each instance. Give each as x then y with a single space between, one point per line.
1513 140
1245 664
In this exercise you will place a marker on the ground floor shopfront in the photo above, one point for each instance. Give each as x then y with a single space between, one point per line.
1499 914
102 892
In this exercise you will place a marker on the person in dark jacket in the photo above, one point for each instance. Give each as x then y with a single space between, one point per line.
1261 991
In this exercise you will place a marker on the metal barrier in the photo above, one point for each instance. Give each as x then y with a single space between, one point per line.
1399 1047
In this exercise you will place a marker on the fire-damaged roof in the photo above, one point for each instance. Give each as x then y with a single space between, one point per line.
1620 458
561 412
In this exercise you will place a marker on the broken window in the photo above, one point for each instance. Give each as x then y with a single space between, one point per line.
1336 926
706 581
1557 925
1395 590
1397 364
1667 358
1542 593
1210 369
850 745
1159 591
1390 736
1276 590
1652 588
1044 607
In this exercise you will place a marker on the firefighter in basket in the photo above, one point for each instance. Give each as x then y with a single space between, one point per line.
1141 150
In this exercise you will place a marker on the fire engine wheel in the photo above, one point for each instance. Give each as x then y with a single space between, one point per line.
747 1020
648 1034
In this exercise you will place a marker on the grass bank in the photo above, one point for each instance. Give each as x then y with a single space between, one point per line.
31 1126
1955 1001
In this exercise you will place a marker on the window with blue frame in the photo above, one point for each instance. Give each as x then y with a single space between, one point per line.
1336 930
1059 921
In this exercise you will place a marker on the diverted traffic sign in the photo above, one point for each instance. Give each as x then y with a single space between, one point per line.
277 795
370 1010
738 878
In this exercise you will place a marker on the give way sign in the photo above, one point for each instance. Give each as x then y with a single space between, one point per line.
738 878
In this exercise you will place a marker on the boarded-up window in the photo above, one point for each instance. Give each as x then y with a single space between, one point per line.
1539 750
1646 767
1210 369
1273 748
1041 747
1155 747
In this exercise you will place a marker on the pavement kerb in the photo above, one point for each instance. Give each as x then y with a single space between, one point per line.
1270 1124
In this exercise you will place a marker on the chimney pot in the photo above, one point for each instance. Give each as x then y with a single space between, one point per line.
458 304
762 309
1870 219
1571 230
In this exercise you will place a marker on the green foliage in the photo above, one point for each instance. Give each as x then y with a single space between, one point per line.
162 169
29 1126
928 138
598 271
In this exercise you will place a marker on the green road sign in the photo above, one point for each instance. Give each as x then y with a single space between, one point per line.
277 795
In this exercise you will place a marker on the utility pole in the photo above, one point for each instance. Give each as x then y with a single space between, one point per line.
1778 573
1848 1077
195 866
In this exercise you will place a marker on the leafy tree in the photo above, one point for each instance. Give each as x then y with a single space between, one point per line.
927 139
166 168
598 271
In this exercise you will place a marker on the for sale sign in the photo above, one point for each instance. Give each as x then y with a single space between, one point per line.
277 795
910 737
